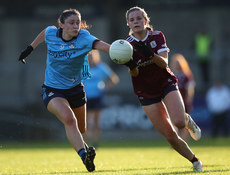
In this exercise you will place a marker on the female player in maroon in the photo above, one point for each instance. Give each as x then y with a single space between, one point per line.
186 83
156 86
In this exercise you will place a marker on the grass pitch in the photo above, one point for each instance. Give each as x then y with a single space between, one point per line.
114 158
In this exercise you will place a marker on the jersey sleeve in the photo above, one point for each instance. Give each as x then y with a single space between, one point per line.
50 30
88 40
161 43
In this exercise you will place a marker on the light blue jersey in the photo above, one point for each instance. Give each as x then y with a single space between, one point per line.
95 87
67 64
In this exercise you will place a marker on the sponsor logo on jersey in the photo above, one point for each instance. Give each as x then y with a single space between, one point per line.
146 63
61 54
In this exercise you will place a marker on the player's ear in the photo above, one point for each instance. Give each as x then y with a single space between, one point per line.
60 25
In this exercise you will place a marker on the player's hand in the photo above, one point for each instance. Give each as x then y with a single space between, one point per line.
133 67
134 72
25 53
131 64
144 49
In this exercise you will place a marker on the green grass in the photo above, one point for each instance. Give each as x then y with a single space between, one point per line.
114 158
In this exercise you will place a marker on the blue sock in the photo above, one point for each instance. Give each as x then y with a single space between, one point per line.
82 153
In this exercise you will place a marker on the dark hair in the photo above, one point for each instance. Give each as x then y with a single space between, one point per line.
66 13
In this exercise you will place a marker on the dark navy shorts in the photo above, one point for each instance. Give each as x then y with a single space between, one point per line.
145 102
75 96
95 103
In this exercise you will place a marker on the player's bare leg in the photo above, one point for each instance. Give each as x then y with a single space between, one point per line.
60 107
161 122
93 130
159 117
180 119
88 160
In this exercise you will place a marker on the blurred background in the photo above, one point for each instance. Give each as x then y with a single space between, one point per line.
22 113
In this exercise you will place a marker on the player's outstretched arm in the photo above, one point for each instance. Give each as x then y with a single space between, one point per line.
102 46
38 40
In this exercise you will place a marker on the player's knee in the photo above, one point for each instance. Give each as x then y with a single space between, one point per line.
68 119
180 124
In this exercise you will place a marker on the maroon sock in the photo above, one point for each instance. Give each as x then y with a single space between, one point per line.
194 159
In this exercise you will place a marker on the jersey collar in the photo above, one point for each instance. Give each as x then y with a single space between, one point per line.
59 35
147 34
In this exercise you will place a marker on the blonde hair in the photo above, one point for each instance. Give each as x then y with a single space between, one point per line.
145 15
179 59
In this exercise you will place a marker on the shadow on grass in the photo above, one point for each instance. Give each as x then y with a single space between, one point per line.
137 171
111 171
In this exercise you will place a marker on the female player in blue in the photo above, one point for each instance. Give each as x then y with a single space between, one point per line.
156 86
103 79
67 66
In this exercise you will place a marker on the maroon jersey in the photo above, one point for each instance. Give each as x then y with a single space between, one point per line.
152 80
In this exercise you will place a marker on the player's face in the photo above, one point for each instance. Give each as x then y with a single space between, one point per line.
71 26
136 21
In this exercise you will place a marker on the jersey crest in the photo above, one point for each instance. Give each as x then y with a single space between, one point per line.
153 44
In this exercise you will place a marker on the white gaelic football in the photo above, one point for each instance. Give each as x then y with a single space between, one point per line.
120 51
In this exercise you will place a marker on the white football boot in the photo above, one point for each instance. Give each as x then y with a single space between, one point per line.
193 129
198 166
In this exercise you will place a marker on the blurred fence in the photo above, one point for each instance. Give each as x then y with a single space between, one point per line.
117 121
